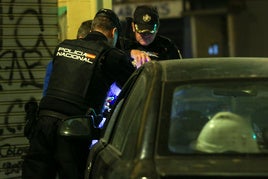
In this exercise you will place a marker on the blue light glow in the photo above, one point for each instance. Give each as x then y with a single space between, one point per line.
113 93
213 49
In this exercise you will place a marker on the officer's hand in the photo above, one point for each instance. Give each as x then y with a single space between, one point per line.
139 57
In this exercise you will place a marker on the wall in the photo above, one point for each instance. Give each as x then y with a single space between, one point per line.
210 36
28 35
78 11
250 29
237 29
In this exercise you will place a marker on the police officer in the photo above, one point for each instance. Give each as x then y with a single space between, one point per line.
84 29
145 43
49 154
82 32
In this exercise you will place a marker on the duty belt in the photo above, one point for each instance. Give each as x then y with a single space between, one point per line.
52 114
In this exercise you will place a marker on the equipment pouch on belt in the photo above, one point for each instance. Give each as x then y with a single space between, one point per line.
31 109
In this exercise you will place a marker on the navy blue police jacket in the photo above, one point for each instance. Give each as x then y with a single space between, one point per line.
114 67
162 48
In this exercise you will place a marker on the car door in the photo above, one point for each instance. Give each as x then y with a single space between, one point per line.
109 148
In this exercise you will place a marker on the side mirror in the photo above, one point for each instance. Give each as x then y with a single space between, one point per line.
79 127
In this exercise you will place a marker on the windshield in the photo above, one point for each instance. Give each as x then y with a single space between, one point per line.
219 118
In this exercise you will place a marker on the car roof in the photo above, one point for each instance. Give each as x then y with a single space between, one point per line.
213 68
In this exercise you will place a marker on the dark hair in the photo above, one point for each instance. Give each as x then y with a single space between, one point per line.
106 19
84 29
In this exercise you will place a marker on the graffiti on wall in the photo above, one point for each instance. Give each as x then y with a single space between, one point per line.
24 50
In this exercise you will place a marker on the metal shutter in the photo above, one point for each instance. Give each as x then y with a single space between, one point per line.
28 36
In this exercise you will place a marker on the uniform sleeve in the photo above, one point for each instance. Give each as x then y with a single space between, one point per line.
47 76
174 52
118 66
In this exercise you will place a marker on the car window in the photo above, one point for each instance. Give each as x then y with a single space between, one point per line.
129 118
222 117
117 106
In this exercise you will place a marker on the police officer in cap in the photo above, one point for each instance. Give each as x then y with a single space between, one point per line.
145 43
49 155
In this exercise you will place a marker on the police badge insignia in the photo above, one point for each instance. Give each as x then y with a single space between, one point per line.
146 18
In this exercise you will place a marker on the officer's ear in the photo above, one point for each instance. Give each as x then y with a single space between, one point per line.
114 32
133 26
115 35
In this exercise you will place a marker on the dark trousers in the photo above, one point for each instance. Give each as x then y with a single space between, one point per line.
50 155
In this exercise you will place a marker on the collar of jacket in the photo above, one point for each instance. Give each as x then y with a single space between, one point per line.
95 35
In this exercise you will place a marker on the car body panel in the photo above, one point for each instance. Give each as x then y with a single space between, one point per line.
212 166
133 145
214 68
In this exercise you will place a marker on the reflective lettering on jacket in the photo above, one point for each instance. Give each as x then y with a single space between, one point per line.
75 54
